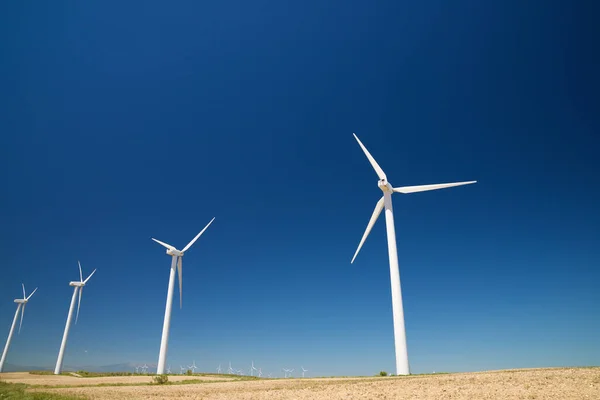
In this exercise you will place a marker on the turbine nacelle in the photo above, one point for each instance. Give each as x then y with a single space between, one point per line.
385 186
175 252
21 301
77 284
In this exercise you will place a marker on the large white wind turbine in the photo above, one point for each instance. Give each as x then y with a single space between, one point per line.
78 287
21 303
176 255
402 367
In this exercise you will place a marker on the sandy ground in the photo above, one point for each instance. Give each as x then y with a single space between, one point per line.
31 379
543 384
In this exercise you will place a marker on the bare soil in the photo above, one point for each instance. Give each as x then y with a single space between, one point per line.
543 384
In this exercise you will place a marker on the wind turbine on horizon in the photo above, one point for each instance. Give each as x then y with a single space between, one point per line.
303 371
177 256
193 367
219 369
252 369
21 303
169 369
402 367
77 287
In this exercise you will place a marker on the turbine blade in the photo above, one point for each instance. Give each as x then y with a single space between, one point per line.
88 278
376 166
24 296
78 304
197 236
179 270
31 294
80 274
168 246
423 188
376 212
22 313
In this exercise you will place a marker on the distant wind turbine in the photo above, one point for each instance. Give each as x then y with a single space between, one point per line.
402 367
21 303
260 372
77 287
219 369
145 368
252 368
177 256
193 367
169 369
230 370
181 369
303 371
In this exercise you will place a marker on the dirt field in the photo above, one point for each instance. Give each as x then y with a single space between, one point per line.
31 379
543 384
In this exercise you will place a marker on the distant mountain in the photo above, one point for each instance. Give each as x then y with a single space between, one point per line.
19 368
123 367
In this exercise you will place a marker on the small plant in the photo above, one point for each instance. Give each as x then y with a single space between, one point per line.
189 372
383 373
160 379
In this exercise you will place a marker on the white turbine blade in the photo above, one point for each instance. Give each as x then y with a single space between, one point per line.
376 166
80 274
31 294
372 221
168 246
22 313
88 278
197 236
24 296
179 270
423 188
78 304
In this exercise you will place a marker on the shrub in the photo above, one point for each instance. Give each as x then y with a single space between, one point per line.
161 379
189 372
383 373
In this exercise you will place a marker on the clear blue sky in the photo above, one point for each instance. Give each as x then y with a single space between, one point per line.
121 122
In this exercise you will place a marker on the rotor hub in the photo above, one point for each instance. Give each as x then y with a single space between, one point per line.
385 186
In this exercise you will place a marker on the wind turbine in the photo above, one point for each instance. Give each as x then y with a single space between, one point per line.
402 367
230 370
176 255
260 372
137 369
219 369
78 287
181 369
145 368
303 371
252 368
169 369
193 367
21 303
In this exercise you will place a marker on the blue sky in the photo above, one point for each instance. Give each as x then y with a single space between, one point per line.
120 123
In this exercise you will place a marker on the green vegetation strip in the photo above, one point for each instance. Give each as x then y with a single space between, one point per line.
14 391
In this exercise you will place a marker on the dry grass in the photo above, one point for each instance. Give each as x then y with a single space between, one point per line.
542 384
69 380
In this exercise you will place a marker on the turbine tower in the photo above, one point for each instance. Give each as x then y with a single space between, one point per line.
78 287
176 255
21 303
402 367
